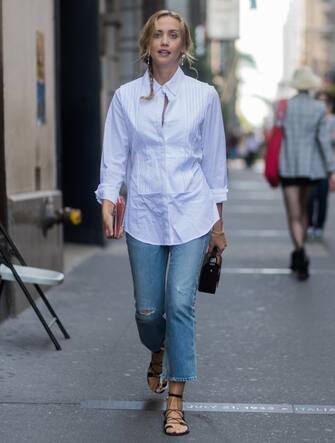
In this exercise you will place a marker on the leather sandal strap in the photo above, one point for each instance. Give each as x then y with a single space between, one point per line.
155 368
175 395
167 412
171 422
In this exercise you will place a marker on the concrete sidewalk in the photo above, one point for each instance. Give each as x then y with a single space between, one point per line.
265 346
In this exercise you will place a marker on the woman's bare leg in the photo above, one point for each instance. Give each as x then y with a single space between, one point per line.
295 218
296 201
305 193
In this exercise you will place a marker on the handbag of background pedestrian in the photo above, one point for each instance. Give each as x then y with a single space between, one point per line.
272 153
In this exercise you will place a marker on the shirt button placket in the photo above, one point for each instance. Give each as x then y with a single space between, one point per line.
167 227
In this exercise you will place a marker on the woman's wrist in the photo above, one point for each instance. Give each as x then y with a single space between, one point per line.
218 230
108 206
218 225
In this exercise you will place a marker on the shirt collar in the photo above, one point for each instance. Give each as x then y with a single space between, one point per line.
170 88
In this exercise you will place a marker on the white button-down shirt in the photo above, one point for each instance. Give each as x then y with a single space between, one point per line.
174 168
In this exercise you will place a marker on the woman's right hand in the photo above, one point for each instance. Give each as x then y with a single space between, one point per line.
107 217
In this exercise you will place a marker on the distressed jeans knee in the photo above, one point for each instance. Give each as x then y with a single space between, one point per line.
151 328
146 314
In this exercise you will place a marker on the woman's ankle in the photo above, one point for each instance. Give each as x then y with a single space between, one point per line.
175 395
174 403
176 388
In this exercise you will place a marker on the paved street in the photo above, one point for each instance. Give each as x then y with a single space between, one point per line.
265 346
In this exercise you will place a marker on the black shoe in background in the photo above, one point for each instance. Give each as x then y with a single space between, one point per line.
294 260
302 265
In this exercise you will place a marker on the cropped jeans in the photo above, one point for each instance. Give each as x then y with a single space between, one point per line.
165 284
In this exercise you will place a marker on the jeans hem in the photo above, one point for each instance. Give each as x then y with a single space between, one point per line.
181 379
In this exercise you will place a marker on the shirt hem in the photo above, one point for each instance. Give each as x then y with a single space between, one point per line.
193 237
309 176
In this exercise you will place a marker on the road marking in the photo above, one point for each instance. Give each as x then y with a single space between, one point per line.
273 271
253 195
247 185
263 233
248 209
261 271
159 405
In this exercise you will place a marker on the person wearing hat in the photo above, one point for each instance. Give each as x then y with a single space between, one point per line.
306 157
318 203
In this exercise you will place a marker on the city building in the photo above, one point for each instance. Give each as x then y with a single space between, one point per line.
309 38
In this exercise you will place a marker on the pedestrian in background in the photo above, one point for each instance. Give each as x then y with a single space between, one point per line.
306 157
232 145
164 136
318 202
251 148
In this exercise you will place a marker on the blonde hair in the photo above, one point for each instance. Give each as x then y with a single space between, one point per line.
145 40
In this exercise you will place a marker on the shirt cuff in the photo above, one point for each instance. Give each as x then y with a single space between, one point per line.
219 194
106 192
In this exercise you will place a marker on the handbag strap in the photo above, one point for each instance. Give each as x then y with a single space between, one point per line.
281 111
216 255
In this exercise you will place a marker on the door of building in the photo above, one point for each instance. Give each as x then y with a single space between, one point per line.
78 108
3 195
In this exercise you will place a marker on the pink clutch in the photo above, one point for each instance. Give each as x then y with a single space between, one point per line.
118 217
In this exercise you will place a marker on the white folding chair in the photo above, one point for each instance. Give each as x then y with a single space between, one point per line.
25 274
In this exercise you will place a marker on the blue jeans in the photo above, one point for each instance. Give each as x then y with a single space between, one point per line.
165 285
318 202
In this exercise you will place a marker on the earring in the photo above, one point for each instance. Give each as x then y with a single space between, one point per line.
183 59
148 60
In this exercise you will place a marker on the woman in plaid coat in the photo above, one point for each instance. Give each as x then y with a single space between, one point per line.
306 157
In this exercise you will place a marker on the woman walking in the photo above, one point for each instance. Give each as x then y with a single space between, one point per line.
164 137
306 157
318 202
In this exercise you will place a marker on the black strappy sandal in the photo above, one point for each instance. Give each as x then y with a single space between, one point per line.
155 372
170 422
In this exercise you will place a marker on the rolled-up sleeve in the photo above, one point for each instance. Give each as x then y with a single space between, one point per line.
214 161
114 152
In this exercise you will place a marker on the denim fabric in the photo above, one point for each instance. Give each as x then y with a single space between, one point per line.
165 284
318 204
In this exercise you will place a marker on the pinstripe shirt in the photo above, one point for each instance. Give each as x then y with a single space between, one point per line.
306 148
174 164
